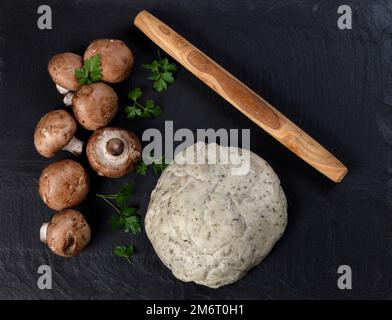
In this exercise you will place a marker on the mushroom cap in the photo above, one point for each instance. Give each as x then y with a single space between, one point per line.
62 67
54 131
63 184
68 233
116 59
95 105
110 163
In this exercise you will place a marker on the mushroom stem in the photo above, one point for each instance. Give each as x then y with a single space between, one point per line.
61 89
115 146
43 232
68 99
75 146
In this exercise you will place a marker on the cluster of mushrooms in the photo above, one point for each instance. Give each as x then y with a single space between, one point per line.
112 152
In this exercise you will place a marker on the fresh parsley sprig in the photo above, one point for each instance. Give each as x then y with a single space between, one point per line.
137 110
158 166
125 218
126 252
161 72
91 71
141 168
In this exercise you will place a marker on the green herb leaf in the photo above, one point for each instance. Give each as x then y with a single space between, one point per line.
161 73
152 67
168 77
149 104
132 224
127 212
141 168
160 166
124 252
125 193
125 218
171 67
132 112
156 111
164 62
117 222
82 75
137 110
135 94
93 63
154 76
160 85
91 71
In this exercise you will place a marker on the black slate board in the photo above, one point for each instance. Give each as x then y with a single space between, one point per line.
335 84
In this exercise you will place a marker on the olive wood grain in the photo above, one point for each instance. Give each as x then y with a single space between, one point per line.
241 97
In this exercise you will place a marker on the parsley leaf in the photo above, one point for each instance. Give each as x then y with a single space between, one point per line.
91 71
168 77
160 85
126 252
132 223
125 194
135 94
161 72
128 212
137 110
117 222
125 217
141 168
158 167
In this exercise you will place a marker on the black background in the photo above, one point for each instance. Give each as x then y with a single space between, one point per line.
336 84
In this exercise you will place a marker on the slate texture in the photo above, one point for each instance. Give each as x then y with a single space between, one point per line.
336 84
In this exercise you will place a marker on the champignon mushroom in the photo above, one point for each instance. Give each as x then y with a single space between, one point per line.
113 152
95 105
63 184
54 132
66 234
61 68
116 59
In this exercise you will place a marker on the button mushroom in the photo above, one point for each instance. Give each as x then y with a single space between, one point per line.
63 184
66 234
54 132
61 68
116 59
95 105
113 152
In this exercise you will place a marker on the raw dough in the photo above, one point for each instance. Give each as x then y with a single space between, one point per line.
210 226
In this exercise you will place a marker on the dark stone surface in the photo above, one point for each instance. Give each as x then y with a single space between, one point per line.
335 84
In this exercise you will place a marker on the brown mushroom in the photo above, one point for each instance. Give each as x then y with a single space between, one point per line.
54 132
63 184
116 59
95 105
61 68
66 234
113 152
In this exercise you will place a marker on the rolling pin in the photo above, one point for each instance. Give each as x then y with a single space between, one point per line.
240 96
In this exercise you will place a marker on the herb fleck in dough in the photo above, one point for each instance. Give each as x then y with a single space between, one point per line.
210 226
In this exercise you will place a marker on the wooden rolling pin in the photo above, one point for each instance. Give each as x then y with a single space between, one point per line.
241 97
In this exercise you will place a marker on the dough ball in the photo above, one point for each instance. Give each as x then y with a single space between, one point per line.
210 226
